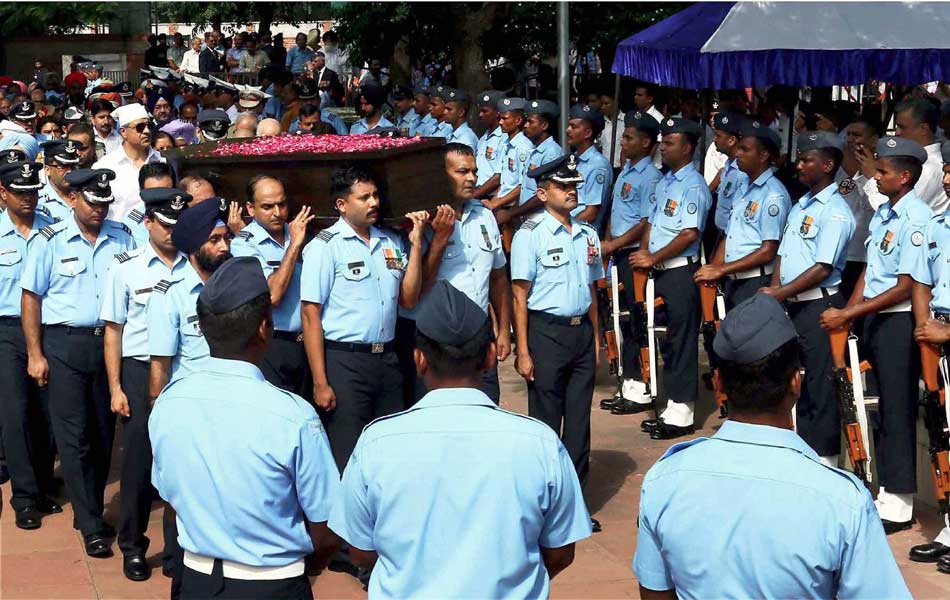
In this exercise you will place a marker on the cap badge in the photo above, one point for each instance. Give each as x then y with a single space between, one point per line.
178 203
586 108
507 101
892 143
534 104
572 163
756 124
27 171
486 98
669 122
12 158
725 120
638 115
70 147
813 137
223 205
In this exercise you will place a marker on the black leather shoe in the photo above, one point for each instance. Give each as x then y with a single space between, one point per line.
895 526
48 507
108 530
943 565
595 525
28 518
650 425
665 431
97 545
135 567
608 403
928 553
628 407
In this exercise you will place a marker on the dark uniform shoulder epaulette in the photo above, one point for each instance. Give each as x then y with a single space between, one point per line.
326 235
136 216
244 234
129 254
45 211
50 230
587 227
529 225
123 227
163 285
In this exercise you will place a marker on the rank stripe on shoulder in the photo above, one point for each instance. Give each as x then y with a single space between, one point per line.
48 232
529 225
162 286
244 235
123 257
136 216
326 235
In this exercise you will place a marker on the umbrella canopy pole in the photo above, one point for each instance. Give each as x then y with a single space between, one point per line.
563 68
613 142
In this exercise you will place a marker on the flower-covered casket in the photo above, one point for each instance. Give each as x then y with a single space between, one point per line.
409 171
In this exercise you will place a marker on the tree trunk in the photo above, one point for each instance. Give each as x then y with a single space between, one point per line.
400 67
469 59
265 12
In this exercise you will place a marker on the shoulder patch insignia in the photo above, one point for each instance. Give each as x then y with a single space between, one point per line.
691 208
162 286
917 238
136 216
326 235
48 232
600 178
123 257
774 210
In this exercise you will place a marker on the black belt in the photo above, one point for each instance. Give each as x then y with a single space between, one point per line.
558 320
11 321
290 336
93 331
359 347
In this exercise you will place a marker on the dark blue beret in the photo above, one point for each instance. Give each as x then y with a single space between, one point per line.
817 140
448 316
508 104
642 121
681 125
235 283
93 183
900 146
542 107
196 223
166 203
753 128
753 330
21 176
589 114
490 98
401 92
729 122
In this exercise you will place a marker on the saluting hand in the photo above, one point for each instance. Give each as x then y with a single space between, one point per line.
298 227
324 396
443 223
419 219
120 404
38 368
866 160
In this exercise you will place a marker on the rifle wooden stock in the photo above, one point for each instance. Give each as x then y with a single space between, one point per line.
709 327
608 335
640 297
844 393
935 420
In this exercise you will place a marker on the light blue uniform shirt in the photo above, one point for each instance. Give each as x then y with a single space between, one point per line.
682 202
13 252
173 328
129 285
488 155
895 244
243 462
68 272
297 59
408 122
54 204
442 129
426 126
794 529
818 229
936 272
543 153
634 195
560 265
135 221
732 186
598 175
254 241
759 214
362 126
357 284
514 162
463 134
418 480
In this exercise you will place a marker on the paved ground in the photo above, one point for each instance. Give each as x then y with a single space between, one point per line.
50 563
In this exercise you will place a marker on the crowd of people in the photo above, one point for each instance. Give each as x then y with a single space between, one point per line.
299 397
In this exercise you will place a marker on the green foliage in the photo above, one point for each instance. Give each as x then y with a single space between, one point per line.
203 14
37 18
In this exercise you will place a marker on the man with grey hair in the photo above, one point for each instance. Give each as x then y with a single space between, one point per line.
245 126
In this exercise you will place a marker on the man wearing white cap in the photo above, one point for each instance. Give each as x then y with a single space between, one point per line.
135 129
